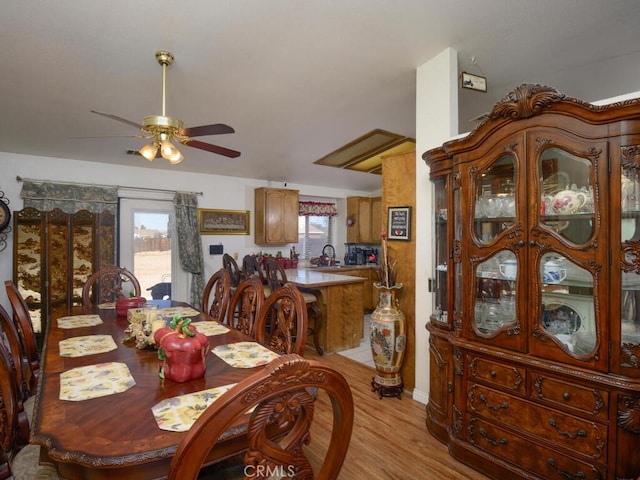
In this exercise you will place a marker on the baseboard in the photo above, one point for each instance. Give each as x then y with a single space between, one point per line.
419 396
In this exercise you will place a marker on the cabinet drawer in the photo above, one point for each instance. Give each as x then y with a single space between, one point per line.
573 433
583 400
546 463
496 373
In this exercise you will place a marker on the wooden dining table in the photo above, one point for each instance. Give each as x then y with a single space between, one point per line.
117 435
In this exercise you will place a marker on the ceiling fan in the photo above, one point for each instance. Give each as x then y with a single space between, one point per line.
162 129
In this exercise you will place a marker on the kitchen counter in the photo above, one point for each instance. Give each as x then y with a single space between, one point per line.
340 298
370 272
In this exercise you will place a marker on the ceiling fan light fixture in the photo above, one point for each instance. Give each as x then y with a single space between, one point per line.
150 150
169 151
177 158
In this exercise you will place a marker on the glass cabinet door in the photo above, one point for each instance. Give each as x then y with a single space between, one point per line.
495 297
630 274
495 200
566 189
567 311
564 256
441 297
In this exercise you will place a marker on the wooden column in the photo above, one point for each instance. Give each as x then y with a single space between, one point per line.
399 190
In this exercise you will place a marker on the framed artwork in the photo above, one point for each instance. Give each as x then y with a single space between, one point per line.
399 223
473 82
223 222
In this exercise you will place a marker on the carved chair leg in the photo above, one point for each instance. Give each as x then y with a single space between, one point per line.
318 320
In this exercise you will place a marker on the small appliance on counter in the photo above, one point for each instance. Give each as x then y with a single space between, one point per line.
357 255
351 255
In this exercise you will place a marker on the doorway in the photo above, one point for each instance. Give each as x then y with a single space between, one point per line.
147 246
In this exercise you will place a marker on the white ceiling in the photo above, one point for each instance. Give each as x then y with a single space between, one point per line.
296 79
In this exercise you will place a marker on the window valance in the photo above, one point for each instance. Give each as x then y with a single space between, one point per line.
70 198
317 209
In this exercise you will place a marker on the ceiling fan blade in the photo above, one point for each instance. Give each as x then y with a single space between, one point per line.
201 131
212 148
119 119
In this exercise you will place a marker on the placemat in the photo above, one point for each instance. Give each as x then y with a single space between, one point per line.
74 321
210 328
177 414
107 306
181 311
86 345
92 381
244 354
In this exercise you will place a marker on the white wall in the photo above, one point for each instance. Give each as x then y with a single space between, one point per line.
228 193
436 122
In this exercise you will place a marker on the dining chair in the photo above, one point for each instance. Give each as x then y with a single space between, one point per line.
276 276
231 266
216 295
24 327
244 306
283 393
24 378
18 458
281 324
105 285
251 266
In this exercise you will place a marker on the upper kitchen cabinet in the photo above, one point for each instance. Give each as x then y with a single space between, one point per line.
535 332
364 219
276 216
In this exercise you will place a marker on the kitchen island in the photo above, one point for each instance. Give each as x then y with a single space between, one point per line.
340 297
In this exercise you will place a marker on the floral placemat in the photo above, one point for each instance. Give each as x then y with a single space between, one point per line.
86 345
74 321
107 306
210 328
245 354
181 311
178 414
94 381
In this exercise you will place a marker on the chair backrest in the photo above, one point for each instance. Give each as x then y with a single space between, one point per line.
282 321
276 276
244 306
25 379
14 428
108 285
231 266
250 266
22 321
218 290
282 393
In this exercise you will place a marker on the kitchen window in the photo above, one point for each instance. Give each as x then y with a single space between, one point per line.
316 225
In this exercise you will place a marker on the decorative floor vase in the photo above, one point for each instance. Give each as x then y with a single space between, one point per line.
388 340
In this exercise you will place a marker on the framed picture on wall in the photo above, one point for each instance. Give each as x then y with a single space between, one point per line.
223 222
399 223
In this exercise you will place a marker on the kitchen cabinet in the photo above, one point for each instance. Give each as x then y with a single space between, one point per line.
276 216
364 219
535 329
370 294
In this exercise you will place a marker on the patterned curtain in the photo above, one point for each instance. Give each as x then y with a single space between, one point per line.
46 196
317 209
189 242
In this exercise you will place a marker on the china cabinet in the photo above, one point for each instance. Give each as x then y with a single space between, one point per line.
535 330
276 216
364 219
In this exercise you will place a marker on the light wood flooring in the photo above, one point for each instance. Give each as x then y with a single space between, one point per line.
390 440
